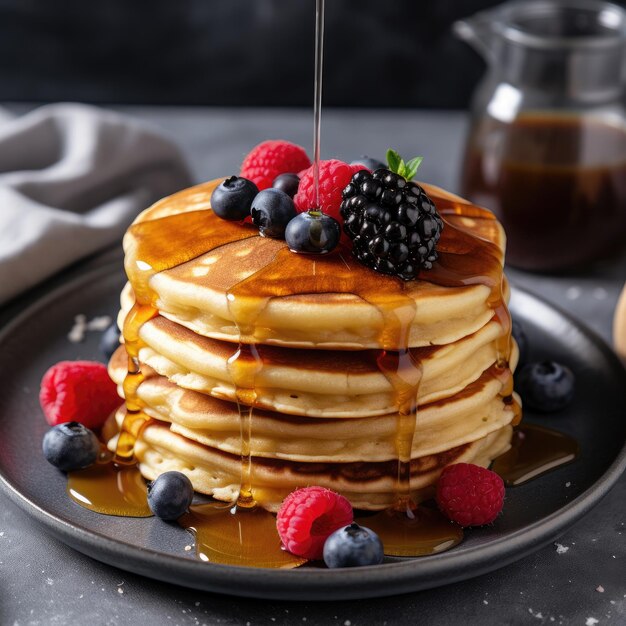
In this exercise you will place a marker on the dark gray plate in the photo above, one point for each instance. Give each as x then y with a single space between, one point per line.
534 515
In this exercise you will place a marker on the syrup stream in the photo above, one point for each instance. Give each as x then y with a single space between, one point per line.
317 97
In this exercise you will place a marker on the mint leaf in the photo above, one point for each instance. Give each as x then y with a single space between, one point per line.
393 160
411 167
396 164
402 168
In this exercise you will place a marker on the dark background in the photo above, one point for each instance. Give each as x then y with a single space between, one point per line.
392 53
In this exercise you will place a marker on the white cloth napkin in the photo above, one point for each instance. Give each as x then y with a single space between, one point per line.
72 178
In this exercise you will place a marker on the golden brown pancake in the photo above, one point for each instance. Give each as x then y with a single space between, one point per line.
319 383
368 485
467 416
330 301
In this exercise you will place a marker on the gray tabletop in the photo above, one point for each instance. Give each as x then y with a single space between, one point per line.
581 580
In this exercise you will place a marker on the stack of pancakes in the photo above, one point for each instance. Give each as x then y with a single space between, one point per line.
324 411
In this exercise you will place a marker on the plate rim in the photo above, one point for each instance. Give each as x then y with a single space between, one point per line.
317 584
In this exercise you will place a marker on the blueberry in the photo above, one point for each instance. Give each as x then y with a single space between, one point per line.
313 232
272 210
546 386
369 163
110 341
288 183
521 339
353 546
71 446
170 495
232 199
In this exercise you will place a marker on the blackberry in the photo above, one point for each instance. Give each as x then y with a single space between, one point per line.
393 224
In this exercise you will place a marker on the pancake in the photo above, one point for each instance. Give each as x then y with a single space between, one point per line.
368 485
241 279
319 383
468 416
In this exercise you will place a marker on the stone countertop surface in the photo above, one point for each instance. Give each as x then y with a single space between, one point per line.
42 581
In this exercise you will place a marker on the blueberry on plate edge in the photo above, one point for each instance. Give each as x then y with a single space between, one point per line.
353 546
170 495
546 386
70 446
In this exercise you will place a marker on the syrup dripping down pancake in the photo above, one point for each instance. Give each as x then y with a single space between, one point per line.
469 415
318 383
326 303
368 485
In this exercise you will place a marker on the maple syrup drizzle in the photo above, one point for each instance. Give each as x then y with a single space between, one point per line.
534 451
317 97
243 366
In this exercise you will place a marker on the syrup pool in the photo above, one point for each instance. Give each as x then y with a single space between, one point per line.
237 536
534 451
111 489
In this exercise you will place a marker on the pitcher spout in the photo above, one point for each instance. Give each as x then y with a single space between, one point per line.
478 31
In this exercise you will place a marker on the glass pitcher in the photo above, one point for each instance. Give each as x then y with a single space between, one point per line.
546 149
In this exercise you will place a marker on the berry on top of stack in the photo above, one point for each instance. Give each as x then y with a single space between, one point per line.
393 224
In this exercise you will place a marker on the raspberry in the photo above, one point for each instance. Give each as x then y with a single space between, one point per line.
78 391
334 176
470 495
308 517
271 158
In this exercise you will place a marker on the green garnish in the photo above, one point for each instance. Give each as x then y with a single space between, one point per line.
397 165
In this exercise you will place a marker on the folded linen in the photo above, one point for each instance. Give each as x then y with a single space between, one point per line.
72 178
